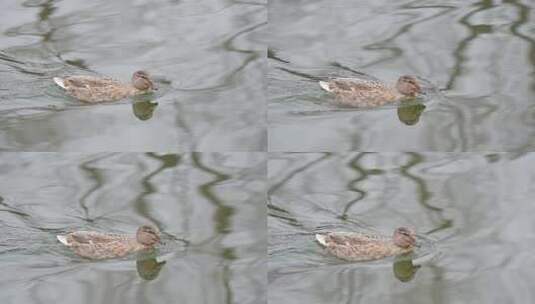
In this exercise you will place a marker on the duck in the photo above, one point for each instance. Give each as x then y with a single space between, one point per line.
356 247
369 93
91 89
97 245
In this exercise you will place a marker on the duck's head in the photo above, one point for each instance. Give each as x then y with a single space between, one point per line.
148 235
141 81
404 237
408 85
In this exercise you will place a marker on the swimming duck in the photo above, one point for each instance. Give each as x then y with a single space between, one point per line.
355 92
95 89
97 245
354 246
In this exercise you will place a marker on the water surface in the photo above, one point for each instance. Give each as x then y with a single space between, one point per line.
480 53
473 212
210 208
206 56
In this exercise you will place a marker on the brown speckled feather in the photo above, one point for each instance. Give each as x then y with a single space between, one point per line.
361 247
361 92
95 245
93 89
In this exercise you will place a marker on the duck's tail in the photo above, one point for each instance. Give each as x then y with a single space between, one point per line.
63 239
325 85
59 82
322 239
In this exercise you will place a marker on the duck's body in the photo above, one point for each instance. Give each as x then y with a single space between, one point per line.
98 245
96 89
367 93
354 246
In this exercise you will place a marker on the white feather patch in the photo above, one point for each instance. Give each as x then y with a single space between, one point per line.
59 82
63 239
321 239
325 85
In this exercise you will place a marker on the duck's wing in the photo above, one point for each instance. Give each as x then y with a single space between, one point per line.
94 89
103 250
355 92
352 85
353 246
93 237
89 81
348 238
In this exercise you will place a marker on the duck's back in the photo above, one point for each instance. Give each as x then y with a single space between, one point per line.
96 245
95 89
360 247
96 237
356 92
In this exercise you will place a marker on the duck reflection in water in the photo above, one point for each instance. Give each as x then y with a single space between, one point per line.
144 110
149 268
409 114
404 269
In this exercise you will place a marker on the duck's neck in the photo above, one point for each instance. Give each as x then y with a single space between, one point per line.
397 94
134 91
139 246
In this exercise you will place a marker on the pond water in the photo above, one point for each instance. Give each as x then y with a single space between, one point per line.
481 54
206 55
473 212
209 207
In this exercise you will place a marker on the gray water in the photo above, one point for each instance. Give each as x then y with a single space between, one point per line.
481 54
475 209
206 56
210 208
236 79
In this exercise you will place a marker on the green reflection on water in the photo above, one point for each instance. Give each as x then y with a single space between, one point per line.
523 19
144 109
410 114
149 269
94 175
47 10
224 213
424 195
475 30
363 174
462 46
403 268
142 205
222 218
